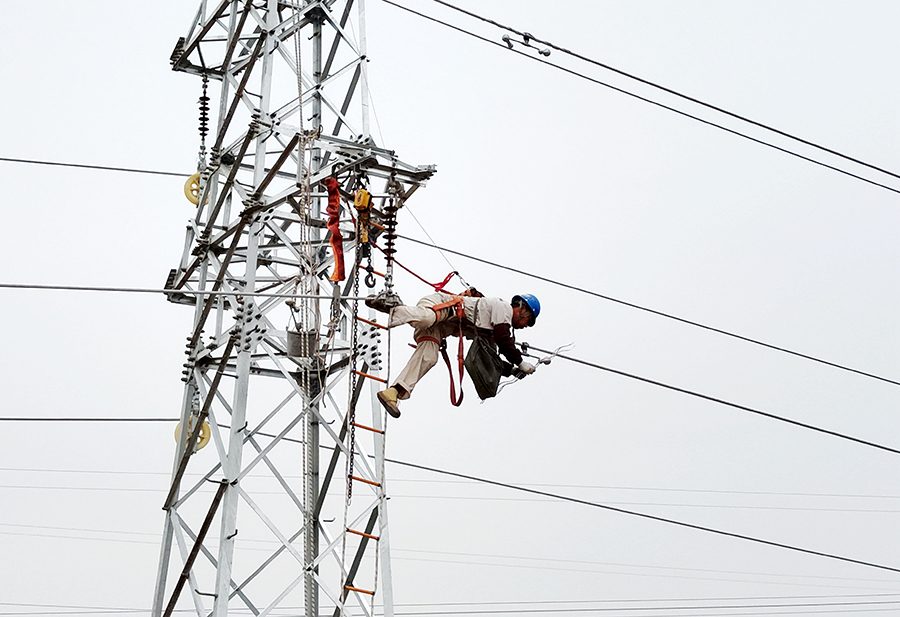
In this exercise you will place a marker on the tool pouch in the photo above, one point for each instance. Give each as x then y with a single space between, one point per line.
484 366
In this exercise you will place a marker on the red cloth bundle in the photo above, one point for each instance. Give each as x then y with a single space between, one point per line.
337 242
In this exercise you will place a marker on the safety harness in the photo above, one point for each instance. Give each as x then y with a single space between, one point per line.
457 302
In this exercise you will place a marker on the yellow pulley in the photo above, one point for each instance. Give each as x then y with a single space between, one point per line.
192 189
362 199
202 439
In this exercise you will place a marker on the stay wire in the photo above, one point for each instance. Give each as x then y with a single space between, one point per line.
720 401
645 99
646 516
681 95
656 312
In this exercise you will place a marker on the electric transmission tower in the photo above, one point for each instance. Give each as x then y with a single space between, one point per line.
278 359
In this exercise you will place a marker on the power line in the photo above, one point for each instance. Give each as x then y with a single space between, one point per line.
84 419
693 393
643 515
529 484
645 99
670 90
577 501
544 560
720 401
597 366
648 602
652 600
100 167
473 258
461 498
654 311
645 609
150 290
543 566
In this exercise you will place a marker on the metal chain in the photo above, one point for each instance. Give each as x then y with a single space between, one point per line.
351 414
350 420
299 58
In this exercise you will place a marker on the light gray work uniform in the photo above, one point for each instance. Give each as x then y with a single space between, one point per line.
429 331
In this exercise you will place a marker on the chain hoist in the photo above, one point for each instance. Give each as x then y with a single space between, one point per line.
354 335
362 201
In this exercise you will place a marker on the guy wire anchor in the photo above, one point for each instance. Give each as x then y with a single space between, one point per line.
525 42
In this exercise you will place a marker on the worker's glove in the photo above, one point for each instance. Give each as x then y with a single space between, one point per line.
524 368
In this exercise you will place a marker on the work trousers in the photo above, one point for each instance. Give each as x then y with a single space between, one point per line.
428 329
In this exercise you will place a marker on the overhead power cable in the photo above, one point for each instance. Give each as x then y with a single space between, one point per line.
592 504
597 366
531 484
645 610
667 90
100 167
40 419
653 311
439 248
720 401
570 358
820 598
643 515
150 290
550 605
645 99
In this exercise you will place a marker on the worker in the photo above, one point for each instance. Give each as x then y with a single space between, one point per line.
494 319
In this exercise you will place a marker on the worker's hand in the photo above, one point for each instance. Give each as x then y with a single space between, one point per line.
524 368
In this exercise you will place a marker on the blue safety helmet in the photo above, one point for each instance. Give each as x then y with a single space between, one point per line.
531 302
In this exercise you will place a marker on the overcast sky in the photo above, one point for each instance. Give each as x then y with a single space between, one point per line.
544 172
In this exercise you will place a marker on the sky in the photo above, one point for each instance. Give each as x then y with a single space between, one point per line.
544 172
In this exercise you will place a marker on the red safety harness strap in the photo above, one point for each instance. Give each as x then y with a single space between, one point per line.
442 345
457 301
437 286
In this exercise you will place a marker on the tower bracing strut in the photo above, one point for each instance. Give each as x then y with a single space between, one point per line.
279 357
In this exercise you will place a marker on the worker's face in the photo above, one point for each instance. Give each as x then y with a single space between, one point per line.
521 317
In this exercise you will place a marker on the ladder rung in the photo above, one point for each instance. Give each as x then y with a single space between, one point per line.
371 323
363 534
364 480
350 588
368 428
361 374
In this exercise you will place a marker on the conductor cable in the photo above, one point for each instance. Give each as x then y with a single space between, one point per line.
643 515
655 312
647 100
720 401
680 95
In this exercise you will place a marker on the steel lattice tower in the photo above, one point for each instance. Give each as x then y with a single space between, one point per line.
278 358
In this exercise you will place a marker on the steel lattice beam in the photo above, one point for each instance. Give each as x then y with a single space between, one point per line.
259 226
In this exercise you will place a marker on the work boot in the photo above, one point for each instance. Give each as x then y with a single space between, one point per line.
384 301
388 399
